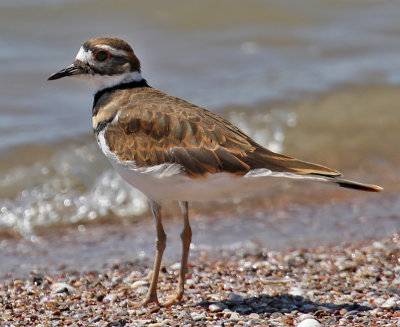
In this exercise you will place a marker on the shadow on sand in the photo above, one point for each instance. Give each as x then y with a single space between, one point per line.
285 303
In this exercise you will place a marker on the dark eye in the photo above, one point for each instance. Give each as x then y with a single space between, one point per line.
101 55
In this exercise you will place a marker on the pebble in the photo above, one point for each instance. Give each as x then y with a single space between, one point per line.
351 313
166 322
62 288
234 317
198 316
276 315
97 319
216 307
304 316
175 266
315 285
390 303
139 283
236 298
296 291
309 323
254 316
111 298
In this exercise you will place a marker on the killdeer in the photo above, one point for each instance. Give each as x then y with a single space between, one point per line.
171 149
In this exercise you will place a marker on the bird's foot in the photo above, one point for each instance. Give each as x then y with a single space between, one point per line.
150 299
174 300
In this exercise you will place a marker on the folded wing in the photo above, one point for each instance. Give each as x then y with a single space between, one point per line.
170 130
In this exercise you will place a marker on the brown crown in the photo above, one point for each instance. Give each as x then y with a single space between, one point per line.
118 45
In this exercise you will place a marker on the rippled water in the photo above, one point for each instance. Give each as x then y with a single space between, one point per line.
246 60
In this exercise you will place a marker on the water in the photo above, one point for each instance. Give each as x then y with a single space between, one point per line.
261 64
236 53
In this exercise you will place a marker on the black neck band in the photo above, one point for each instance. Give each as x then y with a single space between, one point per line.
122 86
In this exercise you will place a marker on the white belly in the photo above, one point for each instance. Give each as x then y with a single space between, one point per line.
183 188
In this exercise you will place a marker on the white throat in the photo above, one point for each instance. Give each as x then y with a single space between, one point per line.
104 81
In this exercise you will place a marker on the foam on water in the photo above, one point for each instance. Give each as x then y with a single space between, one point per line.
73 186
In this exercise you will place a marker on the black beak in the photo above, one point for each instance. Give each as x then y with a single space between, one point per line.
69 71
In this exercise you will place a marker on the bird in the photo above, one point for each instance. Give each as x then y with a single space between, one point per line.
173 150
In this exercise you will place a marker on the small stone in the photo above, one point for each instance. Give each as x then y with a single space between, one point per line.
134 276
343 311
236 298
97 319
62 288
378 245
347 266
166 322
111 298
305 316
389 303
379 301
216 307
234 316
138 284
309 323
198 316
351 313
175 266
276 315
254 316
100 297
144 322
296 291
18 283
79 315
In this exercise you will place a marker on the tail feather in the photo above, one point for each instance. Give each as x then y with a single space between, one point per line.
283 166
310 170
356 185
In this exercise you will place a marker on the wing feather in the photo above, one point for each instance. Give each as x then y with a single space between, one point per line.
158 129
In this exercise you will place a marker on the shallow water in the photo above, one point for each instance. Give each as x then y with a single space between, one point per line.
317 80
297 226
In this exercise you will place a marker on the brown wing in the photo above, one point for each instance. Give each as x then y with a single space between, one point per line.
158 129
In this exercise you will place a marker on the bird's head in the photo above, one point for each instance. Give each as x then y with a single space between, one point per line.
105 61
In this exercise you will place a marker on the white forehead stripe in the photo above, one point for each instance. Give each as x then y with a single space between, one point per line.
83 55
112 50
87 55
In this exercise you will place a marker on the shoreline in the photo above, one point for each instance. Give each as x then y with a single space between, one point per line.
293 218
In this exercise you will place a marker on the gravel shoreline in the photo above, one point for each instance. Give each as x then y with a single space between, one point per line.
347 285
